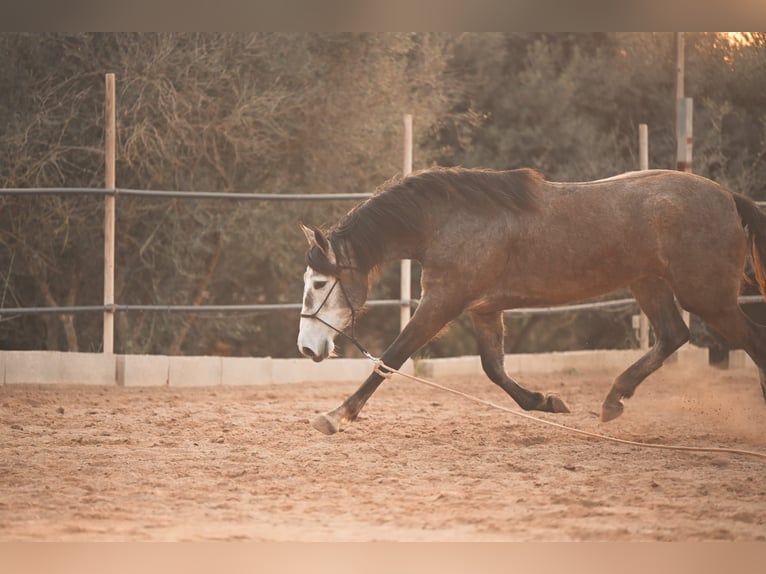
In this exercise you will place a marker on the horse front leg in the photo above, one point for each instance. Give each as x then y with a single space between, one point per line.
489 336
427 321
330 422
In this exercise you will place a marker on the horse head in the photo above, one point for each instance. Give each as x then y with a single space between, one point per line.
333 293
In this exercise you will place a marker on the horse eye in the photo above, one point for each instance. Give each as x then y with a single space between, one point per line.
319 284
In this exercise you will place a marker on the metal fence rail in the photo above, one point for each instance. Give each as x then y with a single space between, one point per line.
266 307
117 192
7 312
117 308
171 194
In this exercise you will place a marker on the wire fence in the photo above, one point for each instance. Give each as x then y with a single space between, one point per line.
110 192
7 313
117 192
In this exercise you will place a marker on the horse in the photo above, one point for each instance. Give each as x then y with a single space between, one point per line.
490 240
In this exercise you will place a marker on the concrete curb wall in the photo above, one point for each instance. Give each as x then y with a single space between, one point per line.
541 363
57 367
48 367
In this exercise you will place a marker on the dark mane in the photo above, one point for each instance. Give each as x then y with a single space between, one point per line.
400 209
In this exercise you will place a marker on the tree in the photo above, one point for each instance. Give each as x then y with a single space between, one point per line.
317 113
283 113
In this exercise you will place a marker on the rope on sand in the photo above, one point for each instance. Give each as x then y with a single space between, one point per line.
385 371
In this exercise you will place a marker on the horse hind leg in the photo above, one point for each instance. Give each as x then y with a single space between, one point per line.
656 299
732 323
489 336
757 350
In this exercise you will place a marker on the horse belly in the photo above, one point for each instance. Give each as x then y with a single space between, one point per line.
552 272
574 280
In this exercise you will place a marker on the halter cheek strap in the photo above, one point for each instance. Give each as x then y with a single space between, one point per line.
352 338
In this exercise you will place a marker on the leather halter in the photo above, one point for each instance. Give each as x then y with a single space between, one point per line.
351 337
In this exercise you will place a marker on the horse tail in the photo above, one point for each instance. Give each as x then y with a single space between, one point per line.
754 221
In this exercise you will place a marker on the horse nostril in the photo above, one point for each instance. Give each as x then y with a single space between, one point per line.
307 352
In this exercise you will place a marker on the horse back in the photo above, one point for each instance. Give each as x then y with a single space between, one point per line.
591 238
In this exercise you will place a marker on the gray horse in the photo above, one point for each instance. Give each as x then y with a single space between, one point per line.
494 240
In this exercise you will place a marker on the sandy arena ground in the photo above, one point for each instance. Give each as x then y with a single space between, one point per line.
242 463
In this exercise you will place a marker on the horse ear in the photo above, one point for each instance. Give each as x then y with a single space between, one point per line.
323 261
309 233
315 237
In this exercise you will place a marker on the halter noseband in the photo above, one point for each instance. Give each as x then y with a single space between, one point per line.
352 338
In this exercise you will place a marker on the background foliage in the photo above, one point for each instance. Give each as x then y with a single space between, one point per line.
319 113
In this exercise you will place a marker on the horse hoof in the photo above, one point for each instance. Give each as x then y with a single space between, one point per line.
556 405
326 424
611 410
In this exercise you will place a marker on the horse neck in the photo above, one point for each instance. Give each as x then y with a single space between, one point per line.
388 247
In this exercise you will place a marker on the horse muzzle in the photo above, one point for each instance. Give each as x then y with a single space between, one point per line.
311 354
318 350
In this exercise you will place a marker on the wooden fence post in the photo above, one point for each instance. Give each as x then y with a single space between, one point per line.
684 140
684 134
643 164
405 286
109 211
683 121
